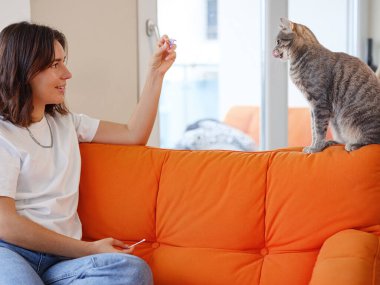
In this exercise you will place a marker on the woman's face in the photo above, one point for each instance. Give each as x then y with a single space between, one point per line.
48 86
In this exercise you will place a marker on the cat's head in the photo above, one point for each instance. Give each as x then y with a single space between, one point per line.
289 34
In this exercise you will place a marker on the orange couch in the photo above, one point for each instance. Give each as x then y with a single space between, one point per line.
224 217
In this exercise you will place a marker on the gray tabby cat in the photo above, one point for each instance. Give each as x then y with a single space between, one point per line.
341 89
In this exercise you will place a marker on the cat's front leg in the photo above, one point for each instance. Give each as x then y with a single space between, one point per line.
319 122
319 146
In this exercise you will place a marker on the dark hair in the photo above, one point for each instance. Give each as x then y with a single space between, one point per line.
25 50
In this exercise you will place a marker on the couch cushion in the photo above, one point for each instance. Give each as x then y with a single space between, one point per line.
118 191
312 197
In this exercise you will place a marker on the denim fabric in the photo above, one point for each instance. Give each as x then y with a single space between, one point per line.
25 267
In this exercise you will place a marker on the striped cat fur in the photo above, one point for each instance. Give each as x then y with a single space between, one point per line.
341 89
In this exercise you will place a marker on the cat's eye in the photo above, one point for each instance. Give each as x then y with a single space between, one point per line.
278 42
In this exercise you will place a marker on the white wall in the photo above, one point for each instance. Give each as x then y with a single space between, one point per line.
102 53
12 11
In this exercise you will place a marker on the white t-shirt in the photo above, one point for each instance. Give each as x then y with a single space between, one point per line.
44 181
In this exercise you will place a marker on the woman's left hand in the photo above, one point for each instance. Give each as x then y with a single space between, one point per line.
164 56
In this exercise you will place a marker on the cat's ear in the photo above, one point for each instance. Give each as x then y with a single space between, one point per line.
286 25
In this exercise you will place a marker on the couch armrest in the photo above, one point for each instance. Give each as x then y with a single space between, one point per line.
350 257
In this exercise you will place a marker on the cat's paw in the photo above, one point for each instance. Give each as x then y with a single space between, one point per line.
354 146
318 146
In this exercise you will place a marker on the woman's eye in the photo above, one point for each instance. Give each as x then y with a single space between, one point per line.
54 65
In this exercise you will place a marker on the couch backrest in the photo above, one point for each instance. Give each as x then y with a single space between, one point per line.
224 217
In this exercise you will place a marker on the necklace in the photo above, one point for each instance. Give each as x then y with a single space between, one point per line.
37 142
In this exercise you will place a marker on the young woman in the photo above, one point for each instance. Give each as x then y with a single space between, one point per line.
40 232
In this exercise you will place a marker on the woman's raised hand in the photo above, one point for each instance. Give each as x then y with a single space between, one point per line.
164 56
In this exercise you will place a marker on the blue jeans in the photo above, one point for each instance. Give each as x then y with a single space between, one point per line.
25 267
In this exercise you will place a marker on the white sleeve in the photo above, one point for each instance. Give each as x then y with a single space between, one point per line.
85 127
9 169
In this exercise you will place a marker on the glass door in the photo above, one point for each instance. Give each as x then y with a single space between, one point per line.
217 75
225 72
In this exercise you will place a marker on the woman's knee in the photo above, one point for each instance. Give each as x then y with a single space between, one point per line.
143 271
125 267
14 269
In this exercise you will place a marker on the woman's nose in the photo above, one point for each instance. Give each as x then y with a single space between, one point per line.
66 73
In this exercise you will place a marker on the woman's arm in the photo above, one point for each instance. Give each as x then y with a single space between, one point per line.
22 232
139 126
